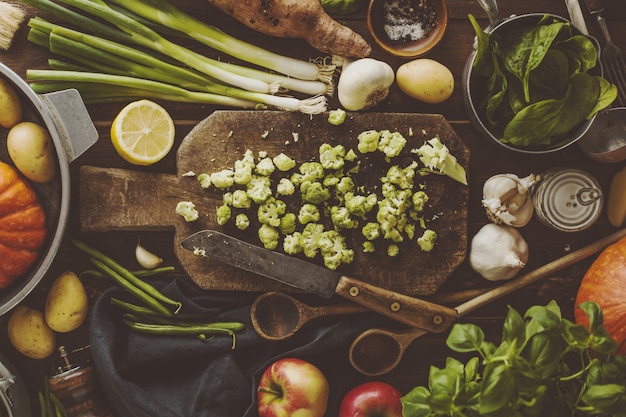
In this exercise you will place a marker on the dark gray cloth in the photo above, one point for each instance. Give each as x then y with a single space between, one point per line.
148 376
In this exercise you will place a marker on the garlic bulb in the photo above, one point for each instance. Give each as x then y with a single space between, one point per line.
146 258
508 200
364 83
498 252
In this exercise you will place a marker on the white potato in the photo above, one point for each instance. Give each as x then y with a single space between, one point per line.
425 80
29 334
66 304
32 151
10 105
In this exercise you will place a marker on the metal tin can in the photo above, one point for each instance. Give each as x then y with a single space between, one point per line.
567 200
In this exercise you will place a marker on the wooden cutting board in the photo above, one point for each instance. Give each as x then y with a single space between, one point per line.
135 200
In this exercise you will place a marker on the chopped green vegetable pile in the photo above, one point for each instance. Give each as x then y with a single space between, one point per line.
368 196
535 84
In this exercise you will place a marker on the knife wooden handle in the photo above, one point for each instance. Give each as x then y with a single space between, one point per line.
402 308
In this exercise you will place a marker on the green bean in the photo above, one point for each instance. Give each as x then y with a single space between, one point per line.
138 273
200 331
135 309
137 292
42 404
150 313
58 406
174 330
126 274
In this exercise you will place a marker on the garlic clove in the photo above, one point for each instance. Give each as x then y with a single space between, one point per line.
523 214
146 258
507 199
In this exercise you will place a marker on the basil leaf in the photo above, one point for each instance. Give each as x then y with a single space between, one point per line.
576 335
594 313
609 398
544 351
443 381
415 403
465 337
498 388
514 328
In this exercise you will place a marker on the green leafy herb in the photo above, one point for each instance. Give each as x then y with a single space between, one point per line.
545 365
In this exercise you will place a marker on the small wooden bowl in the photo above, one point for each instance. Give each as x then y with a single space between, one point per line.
406 48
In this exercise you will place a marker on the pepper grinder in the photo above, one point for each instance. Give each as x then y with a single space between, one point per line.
76 387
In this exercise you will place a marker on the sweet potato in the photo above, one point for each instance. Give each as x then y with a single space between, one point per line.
304 19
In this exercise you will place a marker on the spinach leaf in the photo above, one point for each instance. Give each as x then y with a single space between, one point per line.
524 49
581 52
608 94
551 77
539 123
482 60
523 83
497 87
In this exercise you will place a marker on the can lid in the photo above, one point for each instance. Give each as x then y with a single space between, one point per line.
568 199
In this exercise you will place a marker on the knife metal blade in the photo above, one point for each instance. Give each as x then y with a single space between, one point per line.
576 16
319 280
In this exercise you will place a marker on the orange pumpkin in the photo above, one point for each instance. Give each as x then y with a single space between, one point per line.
22 225
605 283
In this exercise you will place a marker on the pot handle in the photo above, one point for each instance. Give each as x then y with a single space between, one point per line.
76 129
491 8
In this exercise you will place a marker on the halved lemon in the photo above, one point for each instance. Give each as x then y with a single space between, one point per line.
143 132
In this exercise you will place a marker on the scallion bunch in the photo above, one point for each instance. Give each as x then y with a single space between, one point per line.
124 49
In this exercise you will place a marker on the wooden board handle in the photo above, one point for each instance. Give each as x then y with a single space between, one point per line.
402 308
119 199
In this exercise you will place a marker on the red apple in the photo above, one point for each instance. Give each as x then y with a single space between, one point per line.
372 399
290 387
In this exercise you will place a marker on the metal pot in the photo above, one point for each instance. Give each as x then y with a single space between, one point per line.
471 85
14 398
64 114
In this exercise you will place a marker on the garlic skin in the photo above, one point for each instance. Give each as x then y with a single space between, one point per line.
146 258
507 199
498 252
364 83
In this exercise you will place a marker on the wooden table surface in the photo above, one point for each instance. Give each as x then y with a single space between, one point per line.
486 160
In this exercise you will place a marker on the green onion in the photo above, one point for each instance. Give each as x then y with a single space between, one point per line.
139 87
221 94
106 70
166 14
146 37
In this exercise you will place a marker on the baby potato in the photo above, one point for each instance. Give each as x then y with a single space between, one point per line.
66 304
32 151
425 80
29 334
10 105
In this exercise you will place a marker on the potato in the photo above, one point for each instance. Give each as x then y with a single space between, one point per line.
425 80
10 105
32 151
66 304
29 333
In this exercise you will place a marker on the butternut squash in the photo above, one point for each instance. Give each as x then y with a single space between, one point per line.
304 19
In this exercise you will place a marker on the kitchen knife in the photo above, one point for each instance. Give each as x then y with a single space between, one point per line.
319 280
576 16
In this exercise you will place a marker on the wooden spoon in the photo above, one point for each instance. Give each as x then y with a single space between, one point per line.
277 316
